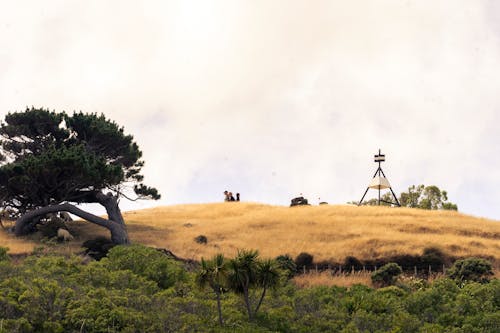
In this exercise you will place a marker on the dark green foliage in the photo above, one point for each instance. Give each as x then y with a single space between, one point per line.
471 269
3 253
386 275
247 273
426 197
304 259
146 262
98 247
57 157
59 294
50 226
286 263
214 273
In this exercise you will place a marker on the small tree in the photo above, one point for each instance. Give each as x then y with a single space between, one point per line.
243 275
386 275
286 263
471 269
213 273
304 259
268 276
426 197
246 271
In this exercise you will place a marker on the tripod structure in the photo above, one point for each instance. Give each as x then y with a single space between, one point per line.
380 182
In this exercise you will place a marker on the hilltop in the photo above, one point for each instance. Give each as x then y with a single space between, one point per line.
328 232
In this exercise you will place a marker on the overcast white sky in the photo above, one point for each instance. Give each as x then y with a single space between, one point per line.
274 98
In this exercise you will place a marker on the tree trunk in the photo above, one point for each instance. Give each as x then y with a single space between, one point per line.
110 202
118 231
219 308
247 303
261 299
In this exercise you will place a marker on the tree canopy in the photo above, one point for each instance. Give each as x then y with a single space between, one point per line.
426 197
53 161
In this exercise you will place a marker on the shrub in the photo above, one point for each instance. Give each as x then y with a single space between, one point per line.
386 275
471 269
434 257
98 247
286 263
3 253
49 228
147 262
304 259
201 239
351 262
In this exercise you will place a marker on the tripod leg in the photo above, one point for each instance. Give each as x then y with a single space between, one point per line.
363 196
395 198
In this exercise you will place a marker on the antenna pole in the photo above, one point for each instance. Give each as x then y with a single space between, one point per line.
379 169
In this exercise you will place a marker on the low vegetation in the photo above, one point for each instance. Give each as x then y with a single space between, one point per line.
54 293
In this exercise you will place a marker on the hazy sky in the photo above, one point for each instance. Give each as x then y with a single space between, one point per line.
274 98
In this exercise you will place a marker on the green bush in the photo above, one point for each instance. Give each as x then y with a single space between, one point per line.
3 253
386 275
147 262
118 294
471 269
286 263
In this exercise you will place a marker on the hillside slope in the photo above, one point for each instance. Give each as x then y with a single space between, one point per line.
328 232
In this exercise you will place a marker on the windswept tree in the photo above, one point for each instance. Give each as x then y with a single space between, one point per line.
51 162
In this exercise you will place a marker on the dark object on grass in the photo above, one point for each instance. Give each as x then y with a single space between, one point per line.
98 247
299 201
352 263
304 259
201 239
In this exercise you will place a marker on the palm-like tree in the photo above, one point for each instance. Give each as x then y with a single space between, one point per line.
213 273
269 276
243 275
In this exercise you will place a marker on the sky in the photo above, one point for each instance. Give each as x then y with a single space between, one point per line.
277 98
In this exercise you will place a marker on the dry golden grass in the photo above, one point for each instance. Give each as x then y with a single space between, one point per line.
327 232
327 279
16 245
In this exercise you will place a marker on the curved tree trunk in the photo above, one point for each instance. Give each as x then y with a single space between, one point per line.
118 231
110 202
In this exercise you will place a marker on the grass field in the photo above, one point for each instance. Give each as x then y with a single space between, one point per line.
327 232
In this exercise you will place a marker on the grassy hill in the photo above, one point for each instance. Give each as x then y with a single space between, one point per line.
328 232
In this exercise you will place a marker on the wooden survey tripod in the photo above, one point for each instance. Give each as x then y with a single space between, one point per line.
380 182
